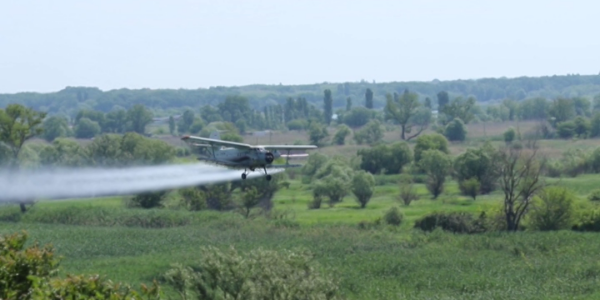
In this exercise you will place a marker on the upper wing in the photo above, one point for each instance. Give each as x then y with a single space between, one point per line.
214 142
289 147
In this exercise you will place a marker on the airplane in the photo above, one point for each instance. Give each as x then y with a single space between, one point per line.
241 155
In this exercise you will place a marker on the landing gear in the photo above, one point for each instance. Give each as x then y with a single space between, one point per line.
243 175
268 177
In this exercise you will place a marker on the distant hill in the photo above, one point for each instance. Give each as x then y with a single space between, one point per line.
71 99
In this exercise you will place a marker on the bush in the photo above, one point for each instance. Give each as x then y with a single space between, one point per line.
470 187
261 274
456 131
407 191
589 221
552 210
456 222
509 135
393 216
147 200
594 196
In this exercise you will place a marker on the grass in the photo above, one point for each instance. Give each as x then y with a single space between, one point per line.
371 264
136 245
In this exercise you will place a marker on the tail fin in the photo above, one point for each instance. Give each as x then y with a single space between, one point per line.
215 135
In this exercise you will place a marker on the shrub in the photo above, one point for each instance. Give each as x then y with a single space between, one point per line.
589 221
470 187
407 191
455 130
552 210
147 200
594 196
509 135
457 222
193 199
260 274
393 216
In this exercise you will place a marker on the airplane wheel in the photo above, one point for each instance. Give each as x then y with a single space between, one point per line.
268 177
243 175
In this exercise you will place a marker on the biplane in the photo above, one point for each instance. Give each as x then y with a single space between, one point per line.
246 156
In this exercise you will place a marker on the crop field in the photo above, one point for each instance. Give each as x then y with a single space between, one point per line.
102 236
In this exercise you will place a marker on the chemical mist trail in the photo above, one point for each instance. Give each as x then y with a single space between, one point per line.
84 183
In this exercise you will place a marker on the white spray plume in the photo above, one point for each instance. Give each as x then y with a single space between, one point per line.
30 185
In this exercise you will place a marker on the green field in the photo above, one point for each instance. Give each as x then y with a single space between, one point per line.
129 245
103 236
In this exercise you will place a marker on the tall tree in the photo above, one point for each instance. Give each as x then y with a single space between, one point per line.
186 121
459 108
348 104
401 110
55 127
139 116
17 125
443 99
369 99
436 165
171 125
328 106
520 181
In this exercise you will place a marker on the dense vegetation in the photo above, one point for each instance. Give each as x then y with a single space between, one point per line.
405 193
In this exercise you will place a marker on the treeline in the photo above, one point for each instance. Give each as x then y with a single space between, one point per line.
166 102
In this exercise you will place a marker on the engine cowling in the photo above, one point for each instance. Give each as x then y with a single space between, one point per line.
268 157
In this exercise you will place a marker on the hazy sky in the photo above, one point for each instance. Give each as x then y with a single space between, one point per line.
48 45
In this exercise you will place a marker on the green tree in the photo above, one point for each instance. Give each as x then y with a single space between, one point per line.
86 129
553 209
566 130
363 186
400 110
437 166
139 116
369 134
369 99
385 158
340 136
433 141
470 187
480 163
186 121
408 192
357 117
348 104
105 150
65 153
317 133
459 108
427 103
55 127
520 180
561 110
193 199
595 125
443 99
509 135
250 198
171 125
116 121
582 126
17 125
327 106
456 131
